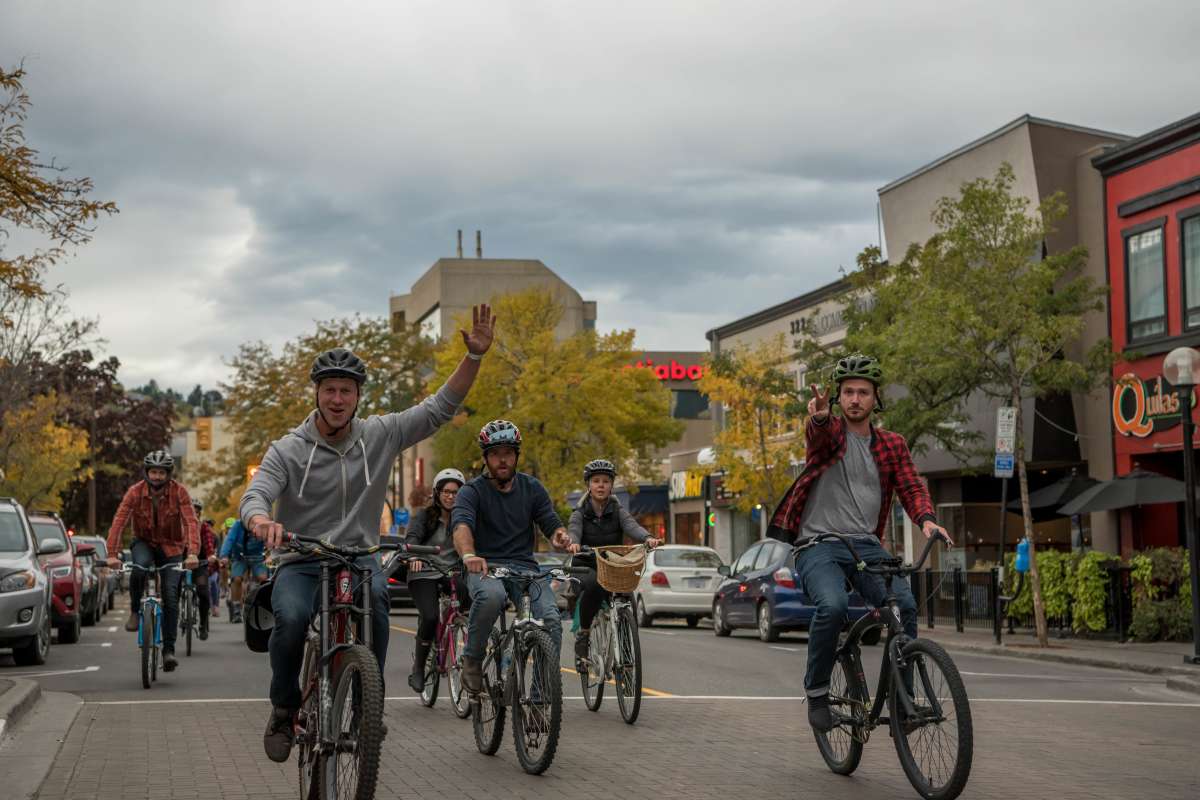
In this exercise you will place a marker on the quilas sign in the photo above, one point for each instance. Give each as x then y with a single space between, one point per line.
1142 407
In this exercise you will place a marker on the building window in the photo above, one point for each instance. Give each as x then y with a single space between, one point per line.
687 528
689 404
1146 281
1190 236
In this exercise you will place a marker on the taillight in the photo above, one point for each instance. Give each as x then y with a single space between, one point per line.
659 578
392 580
783 577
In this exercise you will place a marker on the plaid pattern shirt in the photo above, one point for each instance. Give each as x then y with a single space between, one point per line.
826 445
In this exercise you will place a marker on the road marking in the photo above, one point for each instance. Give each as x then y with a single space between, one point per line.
47 674
658 633
650 692
1071 678
95 644
786 649
403 630
112 629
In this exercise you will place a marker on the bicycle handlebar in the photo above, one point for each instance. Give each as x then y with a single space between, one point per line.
131 566
889 566
295 541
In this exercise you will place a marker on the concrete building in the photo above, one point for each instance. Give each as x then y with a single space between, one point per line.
196 444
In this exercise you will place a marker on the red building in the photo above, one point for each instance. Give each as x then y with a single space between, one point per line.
1152 235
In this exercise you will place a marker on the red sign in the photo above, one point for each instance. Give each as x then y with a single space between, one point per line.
671 372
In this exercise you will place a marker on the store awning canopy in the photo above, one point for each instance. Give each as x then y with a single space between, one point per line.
1062 491
1138 488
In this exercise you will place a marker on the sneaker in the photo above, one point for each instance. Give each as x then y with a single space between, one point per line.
203 632
131 624
170 662
819 715
277 741
472 675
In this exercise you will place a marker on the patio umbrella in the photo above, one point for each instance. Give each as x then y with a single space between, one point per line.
1061 491
1138 488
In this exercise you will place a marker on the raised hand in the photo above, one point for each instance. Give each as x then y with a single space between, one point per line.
818 406
482 330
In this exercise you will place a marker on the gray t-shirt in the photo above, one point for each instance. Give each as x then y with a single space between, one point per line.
846 498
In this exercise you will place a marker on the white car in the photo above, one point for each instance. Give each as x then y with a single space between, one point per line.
679 581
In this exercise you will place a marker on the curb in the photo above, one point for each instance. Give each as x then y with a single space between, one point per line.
1184 684
1068 658
17 701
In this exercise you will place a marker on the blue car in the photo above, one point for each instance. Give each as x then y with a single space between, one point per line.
761 591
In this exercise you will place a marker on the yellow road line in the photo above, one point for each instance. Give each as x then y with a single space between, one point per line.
403 630
651 692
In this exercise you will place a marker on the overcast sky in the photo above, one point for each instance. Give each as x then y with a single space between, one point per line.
681 163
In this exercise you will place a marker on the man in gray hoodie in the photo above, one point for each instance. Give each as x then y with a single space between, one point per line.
328 478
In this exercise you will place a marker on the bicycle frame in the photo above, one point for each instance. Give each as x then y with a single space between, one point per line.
610 612
449 612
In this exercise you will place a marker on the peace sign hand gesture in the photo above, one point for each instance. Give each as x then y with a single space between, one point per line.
818 406
482 330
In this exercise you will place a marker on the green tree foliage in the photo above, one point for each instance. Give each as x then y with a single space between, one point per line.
39 455
574 399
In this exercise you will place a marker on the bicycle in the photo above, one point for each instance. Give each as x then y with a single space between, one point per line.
189 614
919 712
445 657
339 727
614 622
150 641
521 671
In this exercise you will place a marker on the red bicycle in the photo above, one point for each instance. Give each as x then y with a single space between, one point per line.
445 657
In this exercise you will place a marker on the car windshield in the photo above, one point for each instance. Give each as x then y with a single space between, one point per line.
695 559
12 534
100 545
49 531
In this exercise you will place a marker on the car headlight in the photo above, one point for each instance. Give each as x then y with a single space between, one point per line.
60 572
18 581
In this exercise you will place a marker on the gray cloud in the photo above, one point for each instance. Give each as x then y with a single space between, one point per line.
683 163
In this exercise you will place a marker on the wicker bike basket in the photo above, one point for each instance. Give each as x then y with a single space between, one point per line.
619 567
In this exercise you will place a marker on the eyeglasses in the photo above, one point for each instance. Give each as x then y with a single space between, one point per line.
449 492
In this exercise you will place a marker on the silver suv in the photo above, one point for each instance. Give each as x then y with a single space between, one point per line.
25 589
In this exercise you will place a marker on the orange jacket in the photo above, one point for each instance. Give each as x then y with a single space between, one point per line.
167 521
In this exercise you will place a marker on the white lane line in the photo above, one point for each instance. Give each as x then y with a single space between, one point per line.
95 644
111 629
784 649
1071 678
46 674
657 633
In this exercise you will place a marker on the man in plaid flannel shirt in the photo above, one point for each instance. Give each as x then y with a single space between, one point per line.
852 470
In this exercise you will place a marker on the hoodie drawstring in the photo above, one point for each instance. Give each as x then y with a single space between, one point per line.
366 472
307 467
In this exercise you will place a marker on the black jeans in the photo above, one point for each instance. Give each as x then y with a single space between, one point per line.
200 579
591 596
147 555
425 593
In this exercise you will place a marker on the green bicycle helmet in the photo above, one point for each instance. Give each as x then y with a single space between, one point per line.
863 367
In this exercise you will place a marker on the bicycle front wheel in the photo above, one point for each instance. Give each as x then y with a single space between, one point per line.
592 677
537 711
429 692
459 699
842 747
189 620
357 725
936 744
487 710
146 634
627 671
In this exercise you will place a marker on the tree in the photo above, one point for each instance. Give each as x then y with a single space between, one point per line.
36 198
39 456
271 393
761 407
984 307
574 399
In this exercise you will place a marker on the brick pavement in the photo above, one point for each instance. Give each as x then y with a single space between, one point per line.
694 749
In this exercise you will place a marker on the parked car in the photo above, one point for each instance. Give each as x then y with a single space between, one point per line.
108 576
25 587
398 594
66 572
678 581
761 591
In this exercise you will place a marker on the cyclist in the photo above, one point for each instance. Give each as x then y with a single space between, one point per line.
164 532
599 521
493 521
208 556
328 478
245 557
431 526
853 467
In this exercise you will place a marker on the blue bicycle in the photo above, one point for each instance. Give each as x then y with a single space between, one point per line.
149 635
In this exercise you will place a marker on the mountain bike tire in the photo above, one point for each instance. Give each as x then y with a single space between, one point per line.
308 764
352 772
842 747
147 637
487 710
537 708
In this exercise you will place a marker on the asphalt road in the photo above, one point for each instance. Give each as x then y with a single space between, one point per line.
721 716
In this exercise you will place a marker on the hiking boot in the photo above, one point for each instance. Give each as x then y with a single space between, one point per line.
170 662
472 675
582 641
277 741
203 632
416 680
819 715
131 624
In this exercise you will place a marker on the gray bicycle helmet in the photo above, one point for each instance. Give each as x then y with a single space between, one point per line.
159 459
599 466
864 367
499 433
338 363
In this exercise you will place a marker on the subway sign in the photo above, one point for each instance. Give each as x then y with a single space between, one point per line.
1142 407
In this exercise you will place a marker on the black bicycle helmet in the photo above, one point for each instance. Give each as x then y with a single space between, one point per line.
338 363
599 466
159 459
499 433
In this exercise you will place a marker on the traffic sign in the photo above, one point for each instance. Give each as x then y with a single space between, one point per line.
1004 444
1006 429
400 516
1003 467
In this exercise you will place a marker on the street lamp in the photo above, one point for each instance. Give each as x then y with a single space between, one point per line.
1181 368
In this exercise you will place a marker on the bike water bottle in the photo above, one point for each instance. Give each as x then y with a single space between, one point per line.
1022 563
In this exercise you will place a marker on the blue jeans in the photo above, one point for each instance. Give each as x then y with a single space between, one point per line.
823 570
488 596
148 555
296 600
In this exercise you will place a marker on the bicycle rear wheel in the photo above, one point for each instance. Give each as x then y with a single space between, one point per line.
357 723
537 710
593 676
935 746
628 668
429 693
487 710
459 699
842 747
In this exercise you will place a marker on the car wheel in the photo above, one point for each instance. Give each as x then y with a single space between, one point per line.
34 654
644 619
766 626
69 633
720 627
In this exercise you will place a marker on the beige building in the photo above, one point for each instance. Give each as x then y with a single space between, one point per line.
1046 157
196 444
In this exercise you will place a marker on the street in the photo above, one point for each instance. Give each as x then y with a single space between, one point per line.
720 717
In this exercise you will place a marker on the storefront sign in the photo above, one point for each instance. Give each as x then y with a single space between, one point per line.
671 372
686 484
1143 407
